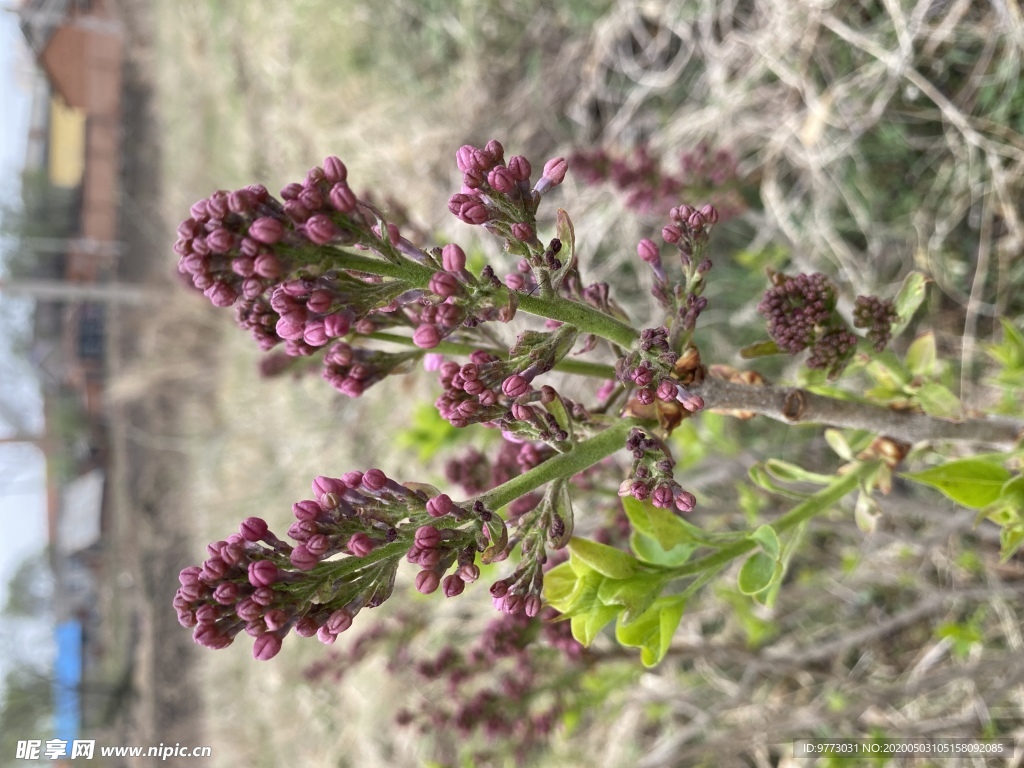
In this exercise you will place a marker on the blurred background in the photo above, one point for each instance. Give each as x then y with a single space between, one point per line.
860 138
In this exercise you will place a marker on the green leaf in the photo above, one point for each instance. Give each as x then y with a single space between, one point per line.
608 561
559 585
760 349
791 473
938 401
769 540
909 297
650 551
968 482
661 525
762 479
888 372
634 595
838 443
587 624
758 573
556 407
653 630
866 513
567 254
921 355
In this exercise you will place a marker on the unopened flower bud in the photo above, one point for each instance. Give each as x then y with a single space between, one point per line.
554 170
439 506
427 582
253 528
453 585
671 233
426 336
515 386
427 537
647 250
469 572
685 501
266 647
320 229
522 232
453 258
520 168
262 573
302 558
360 545
342 198
266 230
374 479
334 170
532 606
444 284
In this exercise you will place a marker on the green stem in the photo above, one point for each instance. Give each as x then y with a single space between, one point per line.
802 512
583 455
584 317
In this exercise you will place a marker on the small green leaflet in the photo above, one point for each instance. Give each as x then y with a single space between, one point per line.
969 482
653 630
608 561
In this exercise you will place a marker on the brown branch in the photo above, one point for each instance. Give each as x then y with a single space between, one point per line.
792 405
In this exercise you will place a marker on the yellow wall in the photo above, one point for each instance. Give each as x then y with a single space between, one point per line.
67 144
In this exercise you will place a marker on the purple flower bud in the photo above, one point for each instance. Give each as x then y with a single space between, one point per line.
427 582
291 191
226 593
199 210
515 386
495 150
709 214
453 586
220 241
267 266
289 329
334 170
323 485
522 232
320 301
217 206
315 334
190 575
253 529
360 545
520 168
207 614
513 604
324 636
453 258
439 506
243 266
685 501
266 230
352 479
532 606
187 618
336 325
662 496
262 573
221 294
374 479
342 198
554 170
647 250
303 559
465 158
427 537
666 390
639 491
696 221
469 572
266 647
339 621
249 610
502 180
426 336
318 544
263 596
275 619
692 403
671 233
306 627
320 229
445 284
251 288
306 509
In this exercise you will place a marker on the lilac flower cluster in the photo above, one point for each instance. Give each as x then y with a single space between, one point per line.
878 316
650 368
801 313
649 189
651 477
258 582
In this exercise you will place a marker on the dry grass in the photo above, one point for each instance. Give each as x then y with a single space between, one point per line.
870 129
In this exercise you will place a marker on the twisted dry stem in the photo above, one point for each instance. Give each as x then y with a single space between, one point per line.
792 405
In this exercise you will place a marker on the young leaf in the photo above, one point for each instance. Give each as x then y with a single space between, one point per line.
938 401
650 551
634 595
659 524
769 540
971 483
586 624
608 561
761 478
791 473
760 349
559 585
758 573
866 513
838 443
653 630
921 355
908 299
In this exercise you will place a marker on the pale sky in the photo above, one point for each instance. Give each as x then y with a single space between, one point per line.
22 470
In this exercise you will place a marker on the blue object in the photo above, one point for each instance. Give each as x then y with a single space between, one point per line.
67 681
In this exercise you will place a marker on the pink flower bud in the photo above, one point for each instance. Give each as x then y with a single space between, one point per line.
515 386
275 619
334 170
465 159
554 170
338 622
352 479
314 333
444 284
323 484
263 596
439 506
318 544
266 647
502 180
685 501
360 545
515 281
266 230
267 265
709 214
522 232
325 636
306 627
453 258
291 191
262 573
426 337
199 210
427 537
253 528
495 150
320 301
453 585
221 294
520 168
249 610
226 593
662 496
342 198
336 325
306 510
303 559
374 479
190 575
289 329
670 233
648 251
532 606
220 241
320 229
469 572
427 582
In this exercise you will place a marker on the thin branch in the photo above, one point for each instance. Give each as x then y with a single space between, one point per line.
792 405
